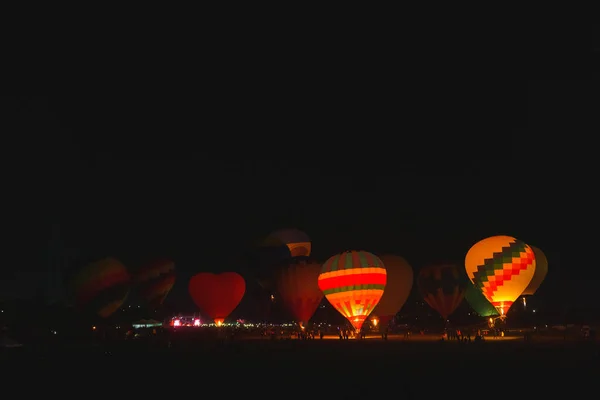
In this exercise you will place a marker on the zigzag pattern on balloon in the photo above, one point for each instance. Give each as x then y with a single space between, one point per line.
513 259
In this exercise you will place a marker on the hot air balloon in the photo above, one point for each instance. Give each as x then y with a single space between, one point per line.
478 302
297 241
353 282
397 289
541 269
501 267
155 281
217 294
101 286
265 261
299 290
441 287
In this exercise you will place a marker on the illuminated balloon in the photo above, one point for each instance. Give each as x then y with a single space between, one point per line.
541 269
101 286
155 281
217 294
501 267
397 288
353 282
478 302
297 241
441 287
298 286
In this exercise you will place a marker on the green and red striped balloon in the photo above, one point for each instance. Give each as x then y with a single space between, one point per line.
353 282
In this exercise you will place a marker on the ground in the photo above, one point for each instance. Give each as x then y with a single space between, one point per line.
420 368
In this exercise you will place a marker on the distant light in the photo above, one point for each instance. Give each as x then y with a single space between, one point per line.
177 323
196 322
93 328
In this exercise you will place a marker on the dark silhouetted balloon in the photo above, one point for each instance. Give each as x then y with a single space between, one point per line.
441 287
298 288
101 287
298 242
155 281
265 261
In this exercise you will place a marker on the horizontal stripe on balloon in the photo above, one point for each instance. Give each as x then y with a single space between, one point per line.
342 289
352 271
506 304
357 296
331 280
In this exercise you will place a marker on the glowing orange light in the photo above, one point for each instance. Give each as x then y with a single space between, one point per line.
219 321
93 328
177 323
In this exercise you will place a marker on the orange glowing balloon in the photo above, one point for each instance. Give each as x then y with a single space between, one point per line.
397 288
501 267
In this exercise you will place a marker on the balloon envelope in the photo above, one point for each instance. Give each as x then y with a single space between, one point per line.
441 287
353 282
397 288
217 294
501 267
265 262
298 242
541 269
478 302
297 284
155 281
101 286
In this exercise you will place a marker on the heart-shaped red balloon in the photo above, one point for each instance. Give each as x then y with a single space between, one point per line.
217 294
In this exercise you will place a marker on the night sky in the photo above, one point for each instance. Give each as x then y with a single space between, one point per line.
201 179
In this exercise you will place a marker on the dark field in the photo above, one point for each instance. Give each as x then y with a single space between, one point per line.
426 369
